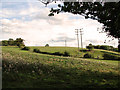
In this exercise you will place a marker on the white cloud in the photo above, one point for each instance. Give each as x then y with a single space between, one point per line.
6 13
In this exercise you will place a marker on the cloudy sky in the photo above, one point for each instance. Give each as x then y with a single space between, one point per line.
29 20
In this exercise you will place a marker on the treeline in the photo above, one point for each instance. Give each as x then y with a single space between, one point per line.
104 47
11 42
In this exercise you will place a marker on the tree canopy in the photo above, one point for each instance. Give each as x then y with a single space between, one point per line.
11 42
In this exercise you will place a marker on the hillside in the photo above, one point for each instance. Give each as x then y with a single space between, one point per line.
26 69
74 51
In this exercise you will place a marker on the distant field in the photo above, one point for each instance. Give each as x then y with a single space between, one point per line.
74 51
26 69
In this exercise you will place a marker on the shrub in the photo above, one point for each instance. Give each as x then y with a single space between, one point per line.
36 50
88 55
97 47
104 47
66 53
115 49
45 52
47 45
90 47
111 57
57 53
119 48
26 48
21 45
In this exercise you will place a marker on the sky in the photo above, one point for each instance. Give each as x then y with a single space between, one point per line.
29 20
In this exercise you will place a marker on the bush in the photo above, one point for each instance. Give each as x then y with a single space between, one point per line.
88 55
45 52
97 47
111 57
47 45
57 53
115 49
21 45
119 48
36 50
26 48
90 47
66 53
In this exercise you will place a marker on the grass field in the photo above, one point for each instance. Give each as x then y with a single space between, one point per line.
26 69
74 51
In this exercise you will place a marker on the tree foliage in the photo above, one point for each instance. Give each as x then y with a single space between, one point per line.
11 42
26 48
105 47
19 42
88 55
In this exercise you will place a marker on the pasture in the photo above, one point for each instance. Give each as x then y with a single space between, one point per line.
26 69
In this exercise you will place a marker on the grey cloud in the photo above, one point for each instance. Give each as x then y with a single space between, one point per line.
62 39
94 41
63 34
50 20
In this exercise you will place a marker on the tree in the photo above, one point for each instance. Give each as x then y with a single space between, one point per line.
4 43
19 42
90 47
107 13
11 42
47 45
0 43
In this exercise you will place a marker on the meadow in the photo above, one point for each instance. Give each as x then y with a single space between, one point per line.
27 69
74 51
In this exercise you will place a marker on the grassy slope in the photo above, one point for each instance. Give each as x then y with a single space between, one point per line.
26 69
74 51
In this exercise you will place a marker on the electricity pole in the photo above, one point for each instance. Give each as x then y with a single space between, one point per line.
65 43
81 37
77 37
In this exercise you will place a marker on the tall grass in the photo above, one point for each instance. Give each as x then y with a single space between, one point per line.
25 69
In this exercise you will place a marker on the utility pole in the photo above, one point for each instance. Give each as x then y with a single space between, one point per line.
77 37
81 37
65 43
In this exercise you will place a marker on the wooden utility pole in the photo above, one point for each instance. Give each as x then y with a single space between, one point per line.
81 37
65 43
76 31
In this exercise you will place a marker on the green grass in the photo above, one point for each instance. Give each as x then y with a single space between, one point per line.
25 69
74 51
